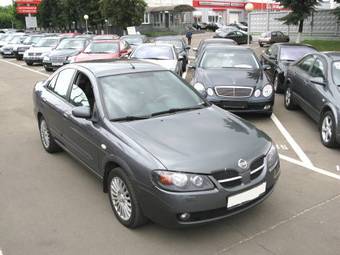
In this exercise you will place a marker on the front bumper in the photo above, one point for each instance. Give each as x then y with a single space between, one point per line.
244 105
34 59
50 65
7 53
205 206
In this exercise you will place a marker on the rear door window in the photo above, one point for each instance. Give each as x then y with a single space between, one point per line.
63 82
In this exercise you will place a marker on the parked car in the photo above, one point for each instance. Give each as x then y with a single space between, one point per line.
26 44
279 56
137 127
37 52
200 25
238 36
135 40
272 37
66 49
180 45
239 26
212 41
106 37
222 31
232 77
164 55
106 49
313 83
7 50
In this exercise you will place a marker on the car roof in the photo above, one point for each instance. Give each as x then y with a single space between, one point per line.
294 44
106 41
227 46
169 37
101 68
333 55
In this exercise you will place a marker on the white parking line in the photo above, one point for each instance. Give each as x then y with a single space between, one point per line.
338 168
1 252
312 168
25 68
184 75
303 157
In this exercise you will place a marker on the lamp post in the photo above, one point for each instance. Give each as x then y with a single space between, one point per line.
249 7
107 26
74 26
86 17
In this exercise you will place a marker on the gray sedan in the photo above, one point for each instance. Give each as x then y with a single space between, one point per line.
161 151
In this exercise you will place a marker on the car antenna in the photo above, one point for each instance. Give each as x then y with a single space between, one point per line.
132 66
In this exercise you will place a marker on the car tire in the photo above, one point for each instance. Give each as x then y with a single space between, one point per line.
46 137
328 130
48 69
268 114
277 84
184 66
29 63
18 58
261 45
289 99
123 199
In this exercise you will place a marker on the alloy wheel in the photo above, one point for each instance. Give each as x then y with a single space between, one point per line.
288 97
121 198
45 134
326 129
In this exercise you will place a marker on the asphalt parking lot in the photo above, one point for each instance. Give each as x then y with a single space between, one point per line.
50 204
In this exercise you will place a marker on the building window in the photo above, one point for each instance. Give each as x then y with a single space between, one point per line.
146 18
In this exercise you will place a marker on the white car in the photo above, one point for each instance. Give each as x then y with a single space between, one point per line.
44 47
9 42
162 54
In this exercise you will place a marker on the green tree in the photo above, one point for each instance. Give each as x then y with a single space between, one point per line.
123 13
300 10
9 18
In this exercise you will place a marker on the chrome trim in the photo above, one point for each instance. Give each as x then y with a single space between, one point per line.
234 87
230 179
257 169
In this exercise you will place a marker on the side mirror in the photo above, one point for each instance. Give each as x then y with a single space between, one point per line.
266 67
83 112
181 58
318 80
192 66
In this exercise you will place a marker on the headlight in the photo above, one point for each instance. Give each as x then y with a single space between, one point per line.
199 87
210 91
257 93
272 157
267 90
174 181
46 58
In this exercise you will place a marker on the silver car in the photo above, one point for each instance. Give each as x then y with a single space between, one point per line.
164 55
11 43
44 47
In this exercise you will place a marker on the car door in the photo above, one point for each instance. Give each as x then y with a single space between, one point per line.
242 38
316 93
81 134
54 102
274 38
299 80
232 36
270 58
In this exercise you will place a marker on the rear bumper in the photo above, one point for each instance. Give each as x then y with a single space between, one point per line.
203 207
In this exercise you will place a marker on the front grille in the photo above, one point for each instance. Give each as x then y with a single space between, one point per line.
230 91
22 49
231 178
58 59
34 54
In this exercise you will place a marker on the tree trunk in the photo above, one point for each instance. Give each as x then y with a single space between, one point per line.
298 39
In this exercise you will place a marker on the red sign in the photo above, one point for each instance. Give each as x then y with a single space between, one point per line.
224 4
27 9
28 1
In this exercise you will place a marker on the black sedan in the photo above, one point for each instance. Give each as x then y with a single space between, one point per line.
233 78
279 56
66 49
313 83
140 129
240 37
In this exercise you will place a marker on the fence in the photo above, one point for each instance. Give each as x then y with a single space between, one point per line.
322 23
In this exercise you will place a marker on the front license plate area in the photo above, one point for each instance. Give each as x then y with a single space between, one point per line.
57 64
246 196
235 105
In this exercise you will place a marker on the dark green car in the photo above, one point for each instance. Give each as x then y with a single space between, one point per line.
239 36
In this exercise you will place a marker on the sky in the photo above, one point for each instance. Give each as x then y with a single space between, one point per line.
5 2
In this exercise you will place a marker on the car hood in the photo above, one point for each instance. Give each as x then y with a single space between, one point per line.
64 52
200 141
40 49
229 76
168 64
86 57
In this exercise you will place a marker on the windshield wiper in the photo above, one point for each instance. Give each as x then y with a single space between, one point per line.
131 118
173 110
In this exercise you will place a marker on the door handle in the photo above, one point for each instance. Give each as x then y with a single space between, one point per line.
66 116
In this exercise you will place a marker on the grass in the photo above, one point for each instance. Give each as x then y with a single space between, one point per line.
324 45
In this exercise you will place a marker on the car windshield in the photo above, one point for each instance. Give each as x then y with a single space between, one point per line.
133 40
9 38
153 52
16 40
48 42
102 47
32 40
294 53
336 72
71 44
146 95
229 58
177 43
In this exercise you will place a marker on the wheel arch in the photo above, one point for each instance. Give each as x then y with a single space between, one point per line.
330 108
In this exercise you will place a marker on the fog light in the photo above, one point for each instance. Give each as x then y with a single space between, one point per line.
184 216
267 107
